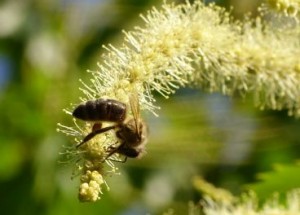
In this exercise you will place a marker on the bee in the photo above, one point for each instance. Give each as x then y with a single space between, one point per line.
131 132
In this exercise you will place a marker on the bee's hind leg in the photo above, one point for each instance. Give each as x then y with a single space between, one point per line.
94 133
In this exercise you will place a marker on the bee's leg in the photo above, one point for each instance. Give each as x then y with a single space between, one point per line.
126 151
94 133
111 150
125 159
96 126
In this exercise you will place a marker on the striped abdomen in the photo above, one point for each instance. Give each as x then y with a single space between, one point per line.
101 110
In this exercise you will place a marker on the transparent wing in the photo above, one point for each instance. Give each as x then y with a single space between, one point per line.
135 109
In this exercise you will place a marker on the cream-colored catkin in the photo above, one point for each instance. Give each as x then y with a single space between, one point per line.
193 45
200 46
286 7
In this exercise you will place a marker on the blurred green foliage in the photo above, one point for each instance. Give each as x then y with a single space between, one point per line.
283 179
45 47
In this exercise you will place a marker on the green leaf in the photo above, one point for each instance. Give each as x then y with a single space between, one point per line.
283 179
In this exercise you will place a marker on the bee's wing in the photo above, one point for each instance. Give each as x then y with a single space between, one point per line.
135 109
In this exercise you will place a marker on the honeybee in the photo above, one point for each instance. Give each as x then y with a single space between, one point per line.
132 131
